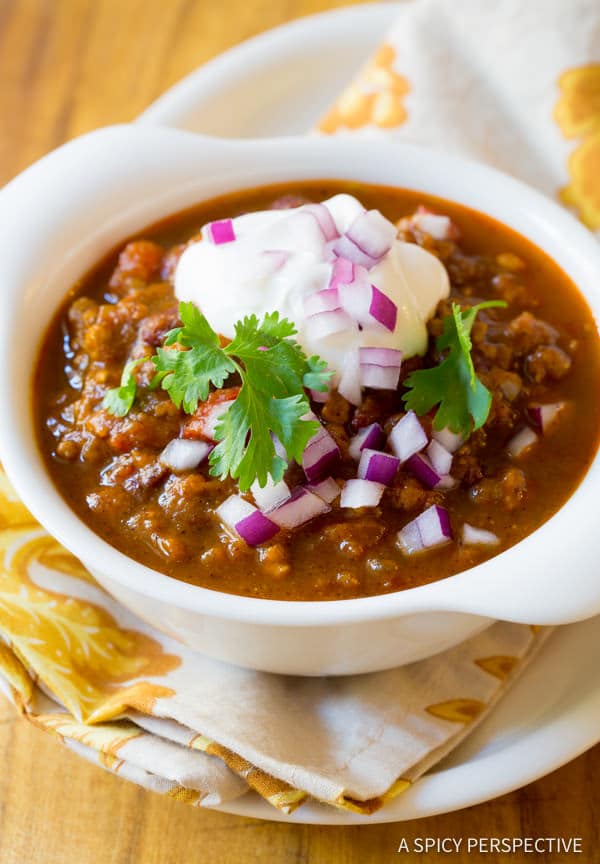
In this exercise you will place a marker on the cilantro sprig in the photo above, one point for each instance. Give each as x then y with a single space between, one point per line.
463 401
119 400
271 401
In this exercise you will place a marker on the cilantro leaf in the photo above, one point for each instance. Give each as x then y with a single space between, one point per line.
271 401
119 400
318 375
188 374
463 401
195 329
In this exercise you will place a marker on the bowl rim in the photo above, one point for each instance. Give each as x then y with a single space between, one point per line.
447 594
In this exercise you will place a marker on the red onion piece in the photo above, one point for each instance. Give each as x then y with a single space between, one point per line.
372 233
321 301
382 309
233 510
371 437
450 440
327 323
298 509
421 467
521 442
380 368
349 383
430 529
472 536
256 528
378 467
407 437
379 377
386 357
184 455
220 231
366 304
544 416
342 272
344 247
440 458
270 496
437 226
361 493
324 218
320 455
327 489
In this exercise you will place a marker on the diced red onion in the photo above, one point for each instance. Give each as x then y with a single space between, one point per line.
298 509
367 305
379 377
220 231
407 437
383 309
387 357
521 442
327 489
256 528
324 218
437 226
378 467
544 416
270 496
472 536
349 383
370 437
321 301
325 324
450 440
344 247
380 368
440 458
342 272
421 467
372 233
430 529
361 493
320 455
241 517
184 455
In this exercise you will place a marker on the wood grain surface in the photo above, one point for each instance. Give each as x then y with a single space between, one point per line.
67 66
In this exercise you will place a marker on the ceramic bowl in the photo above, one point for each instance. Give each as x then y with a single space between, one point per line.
66 211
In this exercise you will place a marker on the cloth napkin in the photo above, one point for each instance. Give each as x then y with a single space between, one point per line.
514 84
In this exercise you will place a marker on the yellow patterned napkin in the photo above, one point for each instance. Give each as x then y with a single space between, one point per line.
76 663
514 84
517 85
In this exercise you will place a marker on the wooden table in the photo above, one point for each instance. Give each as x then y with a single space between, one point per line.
67 66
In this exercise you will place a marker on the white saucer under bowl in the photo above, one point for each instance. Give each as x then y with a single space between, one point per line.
279 83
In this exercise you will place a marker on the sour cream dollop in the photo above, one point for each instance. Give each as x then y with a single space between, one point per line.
280 257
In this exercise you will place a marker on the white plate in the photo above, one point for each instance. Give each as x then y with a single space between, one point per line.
280 83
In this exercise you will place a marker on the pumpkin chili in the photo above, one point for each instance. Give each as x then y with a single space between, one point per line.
537 355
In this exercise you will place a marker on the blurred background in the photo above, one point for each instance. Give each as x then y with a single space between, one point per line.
67 66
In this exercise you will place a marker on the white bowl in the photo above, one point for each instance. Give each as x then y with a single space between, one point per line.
62 214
